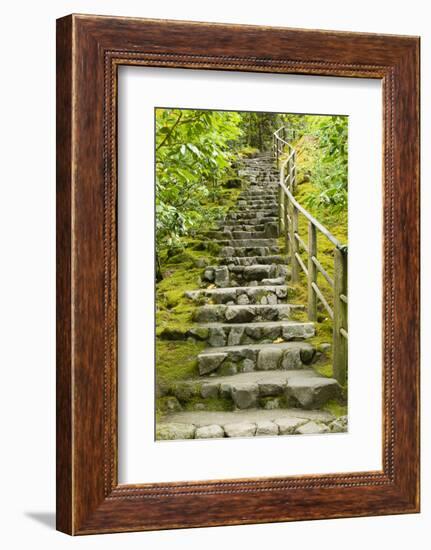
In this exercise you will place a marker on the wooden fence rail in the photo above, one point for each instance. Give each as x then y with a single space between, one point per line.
289 211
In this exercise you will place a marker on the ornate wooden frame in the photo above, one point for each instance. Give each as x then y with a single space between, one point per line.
89 50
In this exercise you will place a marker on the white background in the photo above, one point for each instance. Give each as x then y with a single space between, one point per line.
141 458
27 217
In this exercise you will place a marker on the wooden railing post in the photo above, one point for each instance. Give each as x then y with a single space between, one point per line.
276 151
294 243
340 349
286 224
312 272
281 216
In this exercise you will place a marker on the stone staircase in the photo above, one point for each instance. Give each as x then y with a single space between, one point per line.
258 357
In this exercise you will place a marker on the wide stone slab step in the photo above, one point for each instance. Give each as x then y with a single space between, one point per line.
223 333
230 360
241 227
249 275
264 176
264 294
258 212
254 224
258 204
249 217
251 260
261 167
235 235
228 334
301 388
249 243
261 190
245 314
255 203
259 199
247 423
272 188
243 251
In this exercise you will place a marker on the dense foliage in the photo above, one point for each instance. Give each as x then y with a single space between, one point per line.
192 154
258 129
323 142
195 151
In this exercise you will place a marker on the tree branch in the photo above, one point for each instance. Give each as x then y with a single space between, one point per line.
168 135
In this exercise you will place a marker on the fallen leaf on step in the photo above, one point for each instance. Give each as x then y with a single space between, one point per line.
278 341
209 287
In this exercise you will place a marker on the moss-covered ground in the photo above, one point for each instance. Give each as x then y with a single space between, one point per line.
182 267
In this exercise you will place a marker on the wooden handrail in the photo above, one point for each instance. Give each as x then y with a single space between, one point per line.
313 220
289 209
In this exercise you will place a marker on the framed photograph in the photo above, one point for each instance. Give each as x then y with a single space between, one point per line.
237 274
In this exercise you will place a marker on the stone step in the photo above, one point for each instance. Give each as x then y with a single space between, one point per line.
247 207
261 211
254 224
250 260
259 194
241 227
251 275
228 360
246 217
236 235
266 230
272 188
261 179
247 423
242 251
259 176
265 294
256 203
234 282
238 314
248 243
261 169
263 198
228 334
253 189
300 388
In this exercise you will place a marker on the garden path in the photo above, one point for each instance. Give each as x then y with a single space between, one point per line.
258 355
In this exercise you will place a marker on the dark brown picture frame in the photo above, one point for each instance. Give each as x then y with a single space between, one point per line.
89 51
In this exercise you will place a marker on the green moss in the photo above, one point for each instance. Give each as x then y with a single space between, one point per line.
324 369
201 333
167 404
181 257
209 404
247 151
323 365
184 391
335 408
172 320
176 360
173 309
